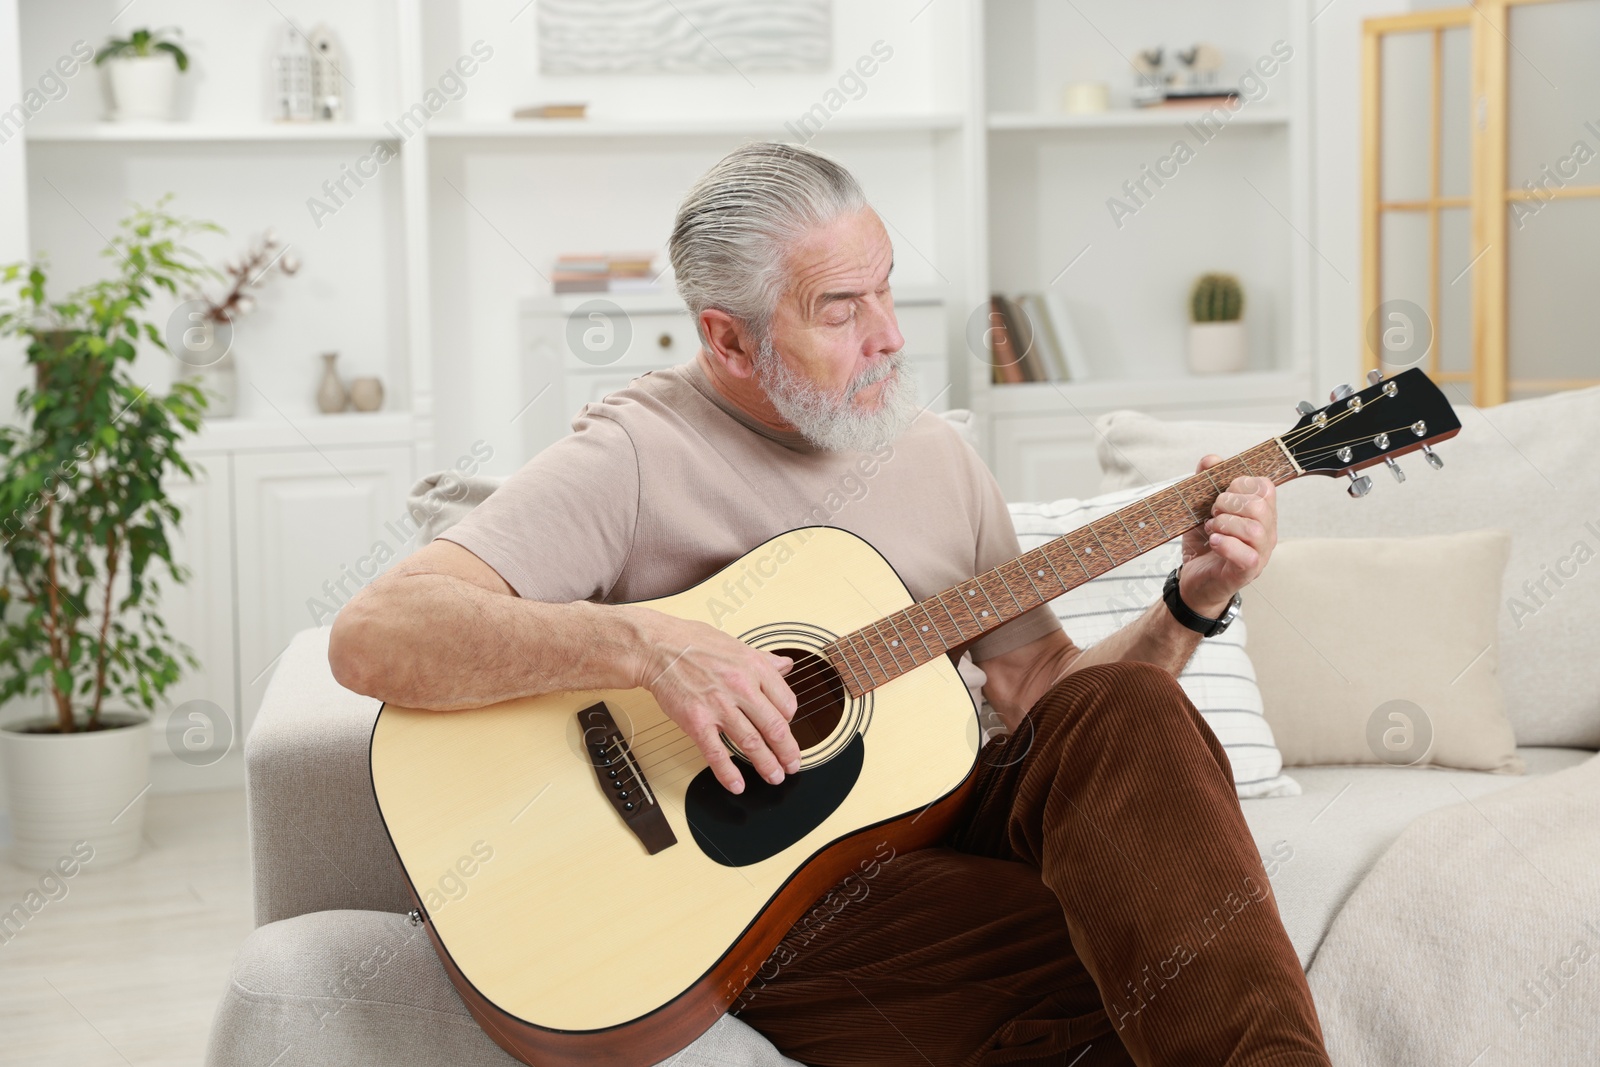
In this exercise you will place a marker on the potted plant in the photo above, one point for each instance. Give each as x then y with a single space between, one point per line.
143 68
85 525
1216 334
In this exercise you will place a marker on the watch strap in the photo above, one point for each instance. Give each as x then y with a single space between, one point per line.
1200 624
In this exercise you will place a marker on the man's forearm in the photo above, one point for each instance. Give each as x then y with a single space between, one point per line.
1019 678
1154 637
411 643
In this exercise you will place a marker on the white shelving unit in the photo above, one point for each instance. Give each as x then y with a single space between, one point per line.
1239 202
423 272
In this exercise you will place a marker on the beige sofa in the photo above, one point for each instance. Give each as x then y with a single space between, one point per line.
334 974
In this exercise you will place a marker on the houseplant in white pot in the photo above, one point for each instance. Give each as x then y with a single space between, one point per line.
84 536
1216 332
143 68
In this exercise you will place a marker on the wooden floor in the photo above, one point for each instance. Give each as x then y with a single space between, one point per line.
128 966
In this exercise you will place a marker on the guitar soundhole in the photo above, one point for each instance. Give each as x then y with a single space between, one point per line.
819 696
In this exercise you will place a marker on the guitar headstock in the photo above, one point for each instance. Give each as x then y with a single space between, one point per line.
1387 419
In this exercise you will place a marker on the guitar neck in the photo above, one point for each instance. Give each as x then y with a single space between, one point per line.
873 655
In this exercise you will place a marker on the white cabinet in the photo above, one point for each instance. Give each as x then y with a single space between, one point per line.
1040 452
199 612
1044 457
314 526
278 531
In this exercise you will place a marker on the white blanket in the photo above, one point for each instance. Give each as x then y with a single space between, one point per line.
1475 940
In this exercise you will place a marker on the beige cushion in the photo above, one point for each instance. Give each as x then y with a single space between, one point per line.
1384 650
1527 466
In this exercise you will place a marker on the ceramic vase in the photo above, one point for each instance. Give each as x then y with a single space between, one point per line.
332 396
366 394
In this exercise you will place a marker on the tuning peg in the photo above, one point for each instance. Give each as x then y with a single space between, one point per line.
1435 460
1374 376
1394 469
1305 407
1340 392
1359 486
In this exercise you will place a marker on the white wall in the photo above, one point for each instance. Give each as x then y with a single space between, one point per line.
1336 183
14 244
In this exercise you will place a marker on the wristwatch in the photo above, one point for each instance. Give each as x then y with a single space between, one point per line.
1198 623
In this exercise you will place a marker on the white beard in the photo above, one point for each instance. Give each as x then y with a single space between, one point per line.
831 421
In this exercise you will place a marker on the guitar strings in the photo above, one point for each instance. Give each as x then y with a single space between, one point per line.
810 680
1334 446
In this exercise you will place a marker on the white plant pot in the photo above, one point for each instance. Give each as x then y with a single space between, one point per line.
65 788
143 88
1217 347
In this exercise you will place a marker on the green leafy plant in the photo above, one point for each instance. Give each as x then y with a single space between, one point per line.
1216 298
143 43
83 512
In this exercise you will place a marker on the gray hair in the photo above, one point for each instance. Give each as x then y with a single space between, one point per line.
736 224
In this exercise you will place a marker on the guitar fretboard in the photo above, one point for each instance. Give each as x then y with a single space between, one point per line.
873 655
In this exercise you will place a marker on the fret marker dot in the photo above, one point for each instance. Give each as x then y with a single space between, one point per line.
892 644
985 614
924 629
970 592
1088 551
1141 526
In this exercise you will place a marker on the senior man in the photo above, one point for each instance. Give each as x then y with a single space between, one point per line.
1055 923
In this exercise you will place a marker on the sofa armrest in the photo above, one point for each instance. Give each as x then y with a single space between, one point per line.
316 840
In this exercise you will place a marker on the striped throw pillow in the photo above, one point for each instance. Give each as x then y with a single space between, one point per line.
1218 678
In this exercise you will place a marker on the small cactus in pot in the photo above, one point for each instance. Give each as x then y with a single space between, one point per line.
1216 298
1216 332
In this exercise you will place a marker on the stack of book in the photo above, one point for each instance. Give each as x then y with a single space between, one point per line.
1031 339
613 272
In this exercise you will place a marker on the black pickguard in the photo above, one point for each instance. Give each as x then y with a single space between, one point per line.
738 829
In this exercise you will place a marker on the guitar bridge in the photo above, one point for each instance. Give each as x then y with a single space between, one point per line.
622 779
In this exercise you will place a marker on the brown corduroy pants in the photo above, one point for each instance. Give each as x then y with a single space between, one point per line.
1099 901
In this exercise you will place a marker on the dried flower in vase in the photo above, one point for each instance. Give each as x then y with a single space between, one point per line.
249 273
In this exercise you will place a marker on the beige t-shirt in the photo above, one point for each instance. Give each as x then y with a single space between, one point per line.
664 482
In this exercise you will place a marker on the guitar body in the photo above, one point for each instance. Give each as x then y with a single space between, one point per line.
567 937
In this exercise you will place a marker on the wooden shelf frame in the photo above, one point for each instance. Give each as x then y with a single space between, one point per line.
1489 24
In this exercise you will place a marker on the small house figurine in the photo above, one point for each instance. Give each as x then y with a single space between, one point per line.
1201 64
327 76
1150 87
291 78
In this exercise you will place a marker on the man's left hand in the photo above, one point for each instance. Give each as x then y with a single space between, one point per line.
1230 549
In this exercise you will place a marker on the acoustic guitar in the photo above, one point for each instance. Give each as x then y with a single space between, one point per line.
597 897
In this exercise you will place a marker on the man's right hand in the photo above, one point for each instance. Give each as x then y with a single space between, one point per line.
710 683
